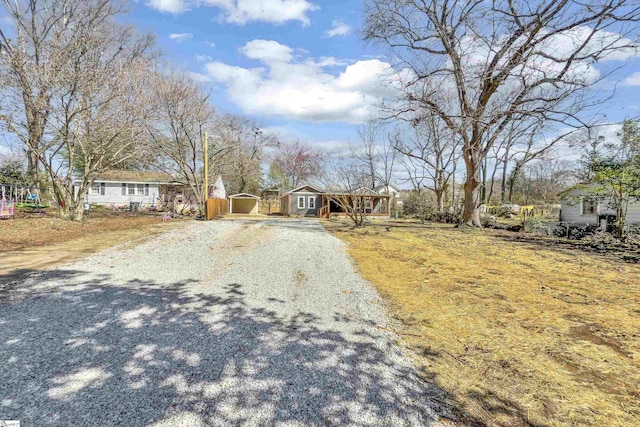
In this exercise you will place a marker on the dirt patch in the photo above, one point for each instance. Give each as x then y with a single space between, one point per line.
33 243
28 230
520 332
591 332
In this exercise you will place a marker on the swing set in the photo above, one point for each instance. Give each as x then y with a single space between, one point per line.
14 196
7 204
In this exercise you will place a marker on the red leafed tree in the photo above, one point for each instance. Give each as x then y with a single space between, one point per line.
293 164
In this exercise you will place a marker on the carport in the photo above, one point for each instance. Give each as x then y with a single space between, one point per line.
244 203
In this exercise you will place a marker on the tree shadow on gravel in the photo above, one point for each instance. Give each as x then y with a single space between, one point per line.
141 353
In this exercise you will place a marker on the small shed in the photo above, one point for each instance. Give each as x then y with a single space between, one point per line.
244 203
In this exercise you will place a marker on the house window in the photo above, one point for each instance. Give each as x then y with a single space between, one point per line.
300 202
140 190
312 202
589 206
95 188
131 189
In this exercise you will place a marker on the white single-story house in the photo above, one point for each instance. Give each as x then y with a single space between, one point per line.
244 203
580 209
120 188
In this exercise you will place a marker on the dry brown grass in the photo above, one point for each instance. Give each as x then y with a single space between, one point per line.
29 230
516 333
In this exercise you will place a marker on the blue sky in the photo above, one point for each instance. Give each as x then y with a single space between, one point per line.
193 37
299 67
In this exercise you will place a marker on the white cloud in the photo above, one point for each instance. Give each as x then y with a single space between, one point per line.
330 61
338 28
180 37
274 11
303 88
199 77
203 58
210 44
169 6
633 79
244 11
267 51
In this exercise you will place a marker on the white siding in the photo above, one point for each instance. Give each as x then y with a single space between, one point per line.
633 213
572 212
113 195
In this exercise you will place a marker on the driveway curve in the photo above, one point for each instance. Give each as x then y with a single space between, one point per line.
214 324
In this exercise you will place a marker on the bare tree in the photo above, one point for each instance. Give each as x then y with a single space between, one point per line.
367 152
243 143
432 145
376 153
293 164
548 177
347 186
179 114
387 155
72 90
503 61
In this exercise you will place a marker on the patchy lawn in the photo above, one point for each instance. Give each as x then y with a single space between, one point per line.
29 229
518 332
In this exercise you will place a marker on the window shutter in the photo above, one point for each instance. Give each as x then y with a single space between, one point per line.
124 189
146 189
102 188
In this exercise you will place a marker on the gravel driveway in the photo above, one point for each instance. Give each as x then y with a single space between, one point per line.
219 323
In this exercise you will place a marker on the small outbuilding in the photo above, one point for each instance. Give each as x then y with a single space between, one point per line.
244 203
304 201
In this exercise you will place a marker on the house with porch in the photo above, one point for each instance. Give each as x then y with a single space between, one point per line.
308 200
156 190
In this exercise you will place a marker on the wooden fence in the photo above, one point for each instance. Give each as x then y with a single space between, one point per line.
269 206
217 207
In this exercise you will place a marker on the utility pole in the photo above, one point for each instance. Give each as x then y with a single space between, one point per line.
206 173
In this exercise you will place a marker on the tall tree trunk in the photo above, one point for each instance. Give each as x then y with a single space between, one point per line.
484 181
440 193
503 186
453 186
372 171
439 189
513 178
493 180
32 168
472 190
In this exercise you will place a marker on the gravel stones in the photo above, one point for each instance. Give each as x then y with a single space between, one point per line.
216 323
